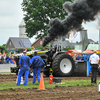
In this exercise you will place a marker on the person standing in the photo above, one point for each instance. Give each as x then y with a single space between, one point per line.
12 61
1 58
94 60
37 65
7 57
24 63
8 60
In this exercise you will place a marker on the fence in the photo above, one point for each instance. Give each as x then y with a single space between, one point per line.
6 67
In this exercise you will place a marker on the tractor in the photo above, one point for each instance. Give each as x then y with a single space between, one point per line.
57 62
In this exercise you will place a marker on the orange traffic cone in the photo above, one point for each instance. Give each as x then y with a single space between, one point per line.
41 85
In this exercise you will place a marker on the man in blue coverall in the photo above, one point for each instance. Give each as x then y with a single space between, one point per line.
37 65
24 63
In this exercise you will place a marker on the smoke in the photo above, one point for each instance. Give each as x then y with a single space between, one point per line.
80 10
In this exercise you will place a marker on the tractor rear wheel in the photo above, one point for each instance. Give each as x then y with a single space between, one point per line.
63 65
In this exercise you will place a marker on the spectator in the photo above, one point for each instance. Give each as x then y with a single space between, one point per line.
12 61
7 57
37 64
1 58
4 59
12 54
94 60
24 63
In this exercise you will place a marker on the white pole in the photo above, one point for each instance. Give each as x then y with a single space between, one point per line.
99 39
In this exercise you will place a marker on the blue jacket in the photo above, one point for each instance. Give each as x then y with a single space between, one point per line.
37 62
12 60
24 61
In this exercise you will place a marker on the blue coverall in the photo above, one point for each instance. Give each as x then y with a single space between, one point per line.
36 68
24 61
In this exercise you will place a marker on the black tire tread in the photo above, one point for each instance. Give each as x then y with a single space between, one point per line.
55 65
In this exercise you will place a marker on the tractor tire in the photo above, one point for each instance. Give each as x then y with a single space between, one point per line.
63 65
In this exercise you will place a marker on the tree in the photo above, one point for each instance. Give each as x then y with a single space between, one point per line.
38 14
3 48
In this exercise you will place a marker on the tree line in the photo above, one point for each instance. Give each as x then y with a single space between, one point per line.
38 13
3 48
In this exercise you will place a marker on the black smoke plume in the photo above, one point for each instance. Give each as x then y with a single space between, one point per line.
80 10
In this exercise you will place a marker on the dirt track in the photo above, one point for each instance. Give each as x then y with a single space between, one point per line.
12 78
58 93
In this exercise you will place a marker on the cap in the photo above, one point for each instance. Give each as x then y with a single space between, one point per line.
35 53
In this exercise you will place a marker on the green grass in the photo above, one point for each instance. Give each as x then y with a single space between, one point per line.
46 84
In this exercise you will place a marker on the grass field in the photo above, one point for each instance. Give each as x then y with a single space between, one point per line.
65 83
46 84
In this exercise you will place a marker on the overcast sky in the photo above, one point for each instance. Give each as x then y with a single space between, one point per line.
11 15
10 18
